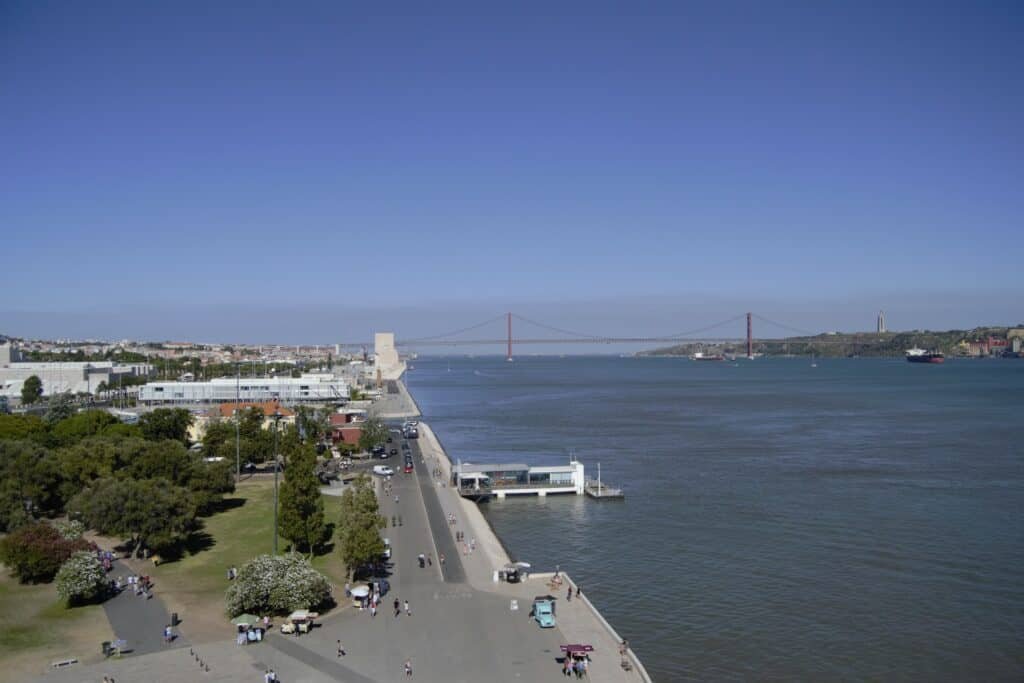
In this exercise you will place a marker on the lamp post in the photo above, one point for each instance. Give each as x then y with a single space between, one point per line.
238 418
277 466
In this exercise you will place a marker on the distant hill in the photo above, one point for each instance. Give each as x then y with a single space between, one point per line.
843 344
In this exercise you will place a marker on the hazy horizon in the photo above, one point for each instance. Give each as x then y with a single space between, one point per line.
312 174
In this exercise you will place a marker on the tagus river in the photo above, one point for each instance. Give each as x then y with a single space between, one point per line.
857 520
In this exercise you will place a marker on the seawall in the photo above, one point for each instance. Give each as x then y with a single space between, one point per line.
589 626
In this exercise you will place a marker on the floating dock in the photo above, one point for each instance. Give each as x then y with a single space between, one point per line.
596 489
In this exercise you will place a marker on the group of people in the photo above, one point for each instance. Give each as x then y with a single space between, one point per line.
568 594
269 676
575 666
140 585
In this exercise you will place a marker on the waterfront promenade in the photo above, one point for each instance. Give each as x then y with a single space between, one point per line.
462 625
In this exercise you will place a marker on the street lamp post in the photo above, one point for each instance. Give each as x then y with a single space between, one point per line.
277 466
238 447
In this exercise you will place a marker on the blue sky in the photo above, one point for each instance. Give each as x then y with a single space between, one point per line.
311 172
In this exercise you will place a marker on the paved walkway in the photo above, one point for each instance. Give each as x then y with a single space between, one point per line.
139 620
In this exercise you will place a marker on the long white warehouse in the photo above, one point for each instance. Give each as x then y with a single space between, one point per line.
317 387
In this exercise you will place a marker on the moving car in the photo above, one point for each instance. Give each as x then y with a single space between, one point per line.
387 549
408 467
544 613
383 470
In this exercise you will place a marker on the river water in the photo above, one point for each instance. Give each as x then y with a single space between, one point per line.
857 520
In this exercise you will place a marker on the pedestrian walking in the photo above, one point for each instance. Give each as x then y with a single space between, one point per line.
373 609
408 611
430 563
397 610
341 650
568 596
577 591
408 668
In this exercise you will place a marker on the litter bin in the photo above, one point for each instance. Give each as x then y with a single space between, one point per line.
106 648
174 619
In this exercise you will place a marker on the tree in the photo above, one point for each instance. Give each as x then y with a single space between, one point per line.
23 427
302 508
374 433
359 525
277 585
153 514
59 408
166 423
30 483
31 390
81 425
35 552
81 579
95 457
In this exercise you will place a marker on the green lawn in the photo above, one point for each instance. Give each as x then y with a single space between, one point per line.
35 628
197 581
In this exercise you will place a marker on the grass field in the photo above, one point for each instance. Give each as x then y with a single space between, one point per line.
194 585
36 629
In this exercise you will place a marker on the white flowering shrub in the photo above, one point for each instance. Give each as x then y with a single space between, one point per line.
70 529
277 585
81 579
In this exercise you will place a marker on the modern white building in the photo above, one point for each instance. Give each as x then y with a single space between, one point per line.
59 378
500 480
313 387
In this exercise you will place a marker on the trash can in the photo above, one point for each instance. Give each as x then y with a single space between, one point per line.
106 648
174 619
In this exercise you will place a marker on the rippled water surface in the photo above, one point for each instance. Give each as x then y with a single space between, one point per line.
857 520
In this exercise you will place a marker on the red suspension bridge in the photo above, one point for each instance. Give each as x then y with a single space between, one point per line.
504 322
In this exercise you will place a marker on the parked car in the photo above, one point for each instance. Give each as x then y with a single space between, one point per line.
544 613
387 549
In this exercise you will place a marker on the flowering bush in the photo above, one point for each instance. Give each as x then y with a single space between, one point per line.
81 579
277 585
69 529
35 552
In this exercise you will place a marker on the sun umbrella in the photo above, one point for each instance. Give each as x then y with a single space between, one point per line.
360 591
245 620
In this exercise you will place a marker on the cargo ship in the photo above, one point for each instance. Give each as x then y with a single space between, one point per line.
916 355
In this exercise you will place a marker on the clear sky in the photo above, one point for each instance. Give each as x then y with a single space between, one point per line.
310 172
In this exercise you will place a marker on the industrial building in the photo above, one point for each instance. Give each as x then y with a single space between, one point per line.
82 377
313 387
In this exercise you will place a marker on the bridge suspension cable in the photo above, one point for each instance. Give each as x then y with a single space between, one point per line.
455 332
789 328
552 328
705 329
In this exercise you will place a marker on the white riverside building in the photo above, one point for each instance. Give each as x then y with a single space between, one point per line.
314 387
484 481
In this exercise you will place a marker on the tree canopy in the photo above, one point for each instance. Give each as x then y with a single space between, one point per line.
166 423
302 509
31 390
152 513
374 433
359 525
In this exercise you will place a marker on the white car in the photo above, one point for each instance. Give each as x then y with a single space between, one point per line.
383 470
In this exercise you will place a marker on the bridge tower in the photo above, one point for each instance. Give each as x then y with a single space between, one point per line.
508 356
750 339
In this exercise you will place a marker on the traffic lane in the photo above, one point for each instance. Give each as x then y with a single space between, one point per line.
413 536
452 570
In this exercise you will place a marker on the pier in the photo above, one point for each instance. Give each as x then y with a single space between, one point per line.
595 488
